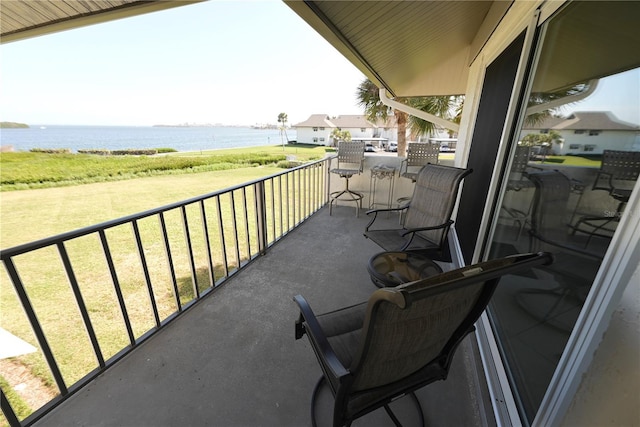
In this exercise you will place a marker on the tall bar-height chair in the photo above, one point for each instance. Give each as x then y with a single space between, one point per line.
618 174
518 180
418 155
350 162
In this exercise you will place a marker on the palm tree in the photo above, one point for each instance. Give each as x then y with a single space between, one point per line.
369 97
448 107
282 118
340 135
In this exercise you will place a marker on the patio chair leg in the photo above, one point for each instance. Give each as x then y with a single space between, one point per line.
352 196
395 419
319 383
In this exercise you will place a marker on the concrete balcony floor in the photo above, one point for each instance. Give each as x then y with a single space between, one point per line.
232 360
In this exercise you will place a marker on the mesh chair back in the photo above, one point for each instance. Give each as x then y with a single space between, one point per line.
520 160
549 216
433 200
411 326
421 153
350 154
623 165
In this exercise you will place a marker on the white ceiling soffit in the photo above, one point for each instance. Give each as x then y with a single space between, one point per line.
21 19
411 48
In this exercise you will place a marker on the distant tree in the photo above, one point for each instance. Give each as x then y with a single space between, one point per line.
340 135
282 119
533 139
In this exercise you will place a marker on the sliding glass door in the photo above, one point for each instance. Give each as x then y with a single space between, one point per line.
572 167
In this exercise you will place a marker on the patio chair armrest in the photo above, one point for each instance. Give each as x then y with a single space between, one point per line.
320 343
433 227
374 212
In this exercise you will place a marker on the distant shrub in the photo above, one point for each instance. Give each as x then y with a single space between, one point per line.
98 151
134 152
287 164
51 150
553 160
166 150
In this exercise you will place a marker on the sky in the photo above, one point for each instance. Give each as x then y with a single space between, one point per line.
228 62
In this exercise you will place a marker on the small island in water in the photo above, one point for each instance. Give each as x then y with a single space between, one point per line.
13 125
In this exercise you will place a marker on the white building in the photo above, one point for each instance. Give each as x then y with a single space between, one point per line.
588 132
317 128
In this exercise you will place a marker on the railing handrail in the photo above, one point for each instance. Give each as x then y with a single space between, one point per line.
73 234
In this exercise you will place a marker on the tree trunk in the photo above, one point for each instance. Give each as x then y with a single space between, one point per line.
401 121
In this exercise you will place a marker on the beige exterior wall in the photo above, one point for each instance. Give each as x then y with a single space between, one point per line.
607 393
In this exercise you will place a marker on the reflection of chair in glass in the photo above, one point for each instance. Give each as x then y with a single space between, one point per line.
402 338
428 215
418 155
350 162
618 174
518 180
575 267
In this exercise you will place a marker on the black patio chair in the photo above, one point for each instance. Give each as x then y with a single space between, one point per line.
427 217
402 338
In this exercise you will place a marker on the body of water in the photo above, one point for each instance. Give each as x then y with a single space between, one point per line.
136 137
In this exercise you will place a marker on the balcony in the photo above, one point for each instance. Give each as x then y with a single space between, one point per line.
231 358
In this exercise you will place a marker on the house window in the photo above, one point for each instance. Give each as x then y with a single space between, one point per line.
321 128
544 130
315 140
363 129
533 314
321 139
594 132
315 129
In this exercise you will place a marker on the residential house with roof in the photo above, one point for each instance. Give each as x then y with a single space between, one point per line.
317 128
588 132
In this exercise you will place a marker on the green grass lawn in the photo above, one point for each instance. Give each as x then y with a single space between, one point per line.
30 170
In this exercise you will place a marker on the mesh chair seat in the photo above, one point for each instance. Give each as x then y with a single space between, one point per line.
345 172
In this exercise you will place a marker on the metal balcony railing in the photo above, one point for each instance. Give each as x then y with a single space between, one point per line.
145 269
